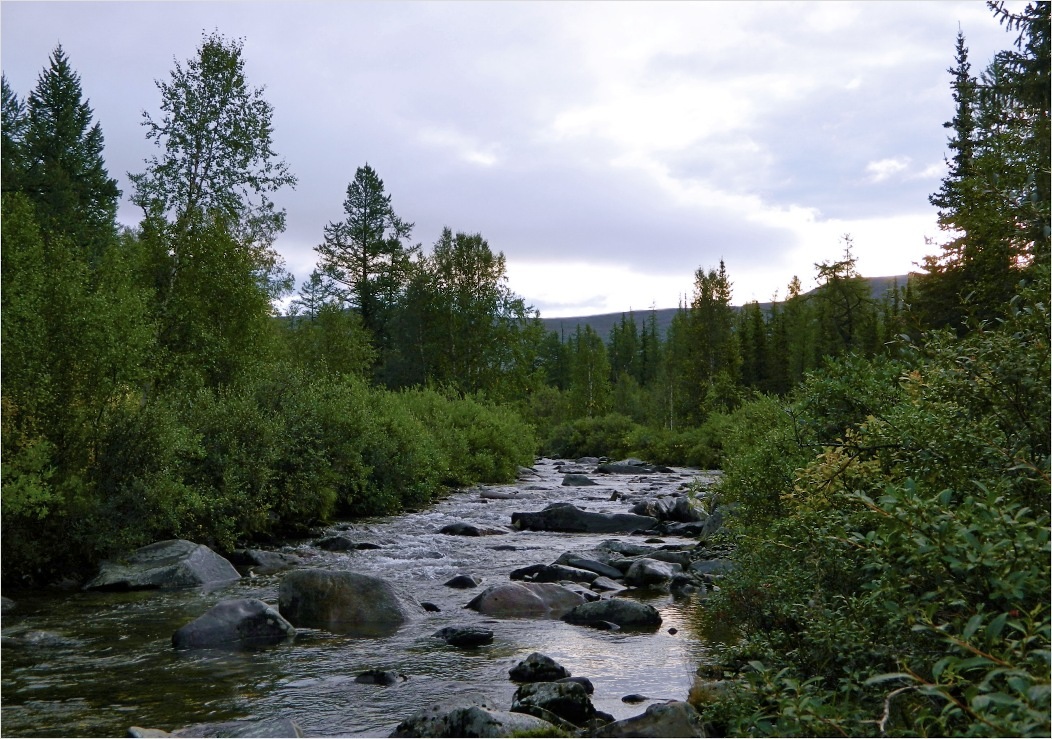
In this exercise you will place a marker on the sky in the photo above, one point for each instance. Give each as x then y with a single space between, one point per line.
608 149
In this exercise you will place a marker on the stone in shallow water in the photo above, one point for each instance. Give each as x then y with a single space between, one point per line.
675 718
525 600
463 582
465 636
342 602
621 611
175 563
538 668
234 623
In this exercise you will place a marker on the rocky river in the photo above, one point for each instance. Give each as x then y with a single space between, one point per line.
96 663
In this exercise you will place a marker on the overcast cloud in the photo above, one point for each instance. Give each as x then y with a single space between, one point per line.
608 149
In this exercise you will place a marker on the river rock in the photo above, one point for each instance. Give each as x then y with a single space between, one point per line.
606 585
578 481
525 600
654 507
648 571
685 512
569 518
538 668
567 700
337 543
470 529
342 602
675 718
377 677
472 721
691 530
175 563
582 681
621 611
625 548
571 559
586 593
263 562
233 623
6 604
712 567
625 467
465 636
552 573
463 582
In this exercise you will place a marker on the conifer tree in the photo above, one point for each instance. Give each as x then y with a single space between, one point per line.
12 134
366 253
65 175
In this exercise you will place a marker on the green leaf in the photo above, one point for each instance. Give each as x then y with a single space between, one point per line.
995 627
972 626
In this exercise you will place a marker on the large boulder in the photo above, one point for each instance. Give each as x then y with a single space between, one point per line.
478 720
538 668
234 623
175 563
525 600
343 602
621 611
646 571
675 718
569 518
568 701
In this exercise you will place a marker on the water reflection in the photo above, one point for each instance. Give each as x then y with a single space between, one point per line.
110 665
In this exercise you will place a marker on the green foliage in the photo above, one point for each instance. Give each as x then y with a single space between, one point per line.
217 157
365 255
592 437
893 543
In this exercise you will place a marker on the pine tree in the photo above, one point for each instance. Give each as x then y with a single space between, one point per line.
366 254
12 133
65 175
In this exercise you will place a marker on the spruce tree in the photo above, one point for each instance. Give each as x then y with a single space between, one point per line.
365 254
65 175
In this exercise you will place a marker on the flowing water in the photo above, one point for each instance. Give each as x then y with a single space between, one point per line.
95 664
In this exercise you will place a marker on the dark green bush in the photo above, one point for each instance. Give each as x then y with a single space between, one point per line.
609 435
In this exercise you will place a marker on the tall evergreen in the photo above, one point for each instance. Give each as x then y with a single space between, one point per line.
12 133
65 175
366 253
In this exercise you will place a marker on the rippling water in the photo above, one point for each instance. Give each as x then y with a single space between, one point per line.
94 664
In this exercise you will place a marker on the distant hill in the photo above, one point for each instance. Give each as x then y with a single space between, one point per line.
603 322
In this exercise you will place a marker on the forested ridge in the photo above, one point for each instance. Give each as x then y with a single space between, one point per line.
886 457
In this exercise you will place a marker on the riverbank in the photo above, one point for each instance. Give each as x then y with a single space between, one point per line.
103 662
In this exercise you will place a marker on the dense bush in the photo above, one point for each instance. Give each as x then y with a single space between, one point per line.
893 543
225 466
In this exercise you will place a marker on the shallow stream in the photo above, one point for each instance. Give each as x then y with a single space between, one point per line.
94 664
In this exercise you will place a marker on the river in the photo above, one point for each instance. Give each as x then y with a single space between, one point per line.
84 664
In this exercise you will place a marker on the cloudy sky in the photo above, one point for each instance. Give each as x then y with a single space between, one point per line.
609 149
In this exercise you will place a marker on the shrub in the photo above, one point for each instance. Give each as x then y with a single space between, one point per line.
893 552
